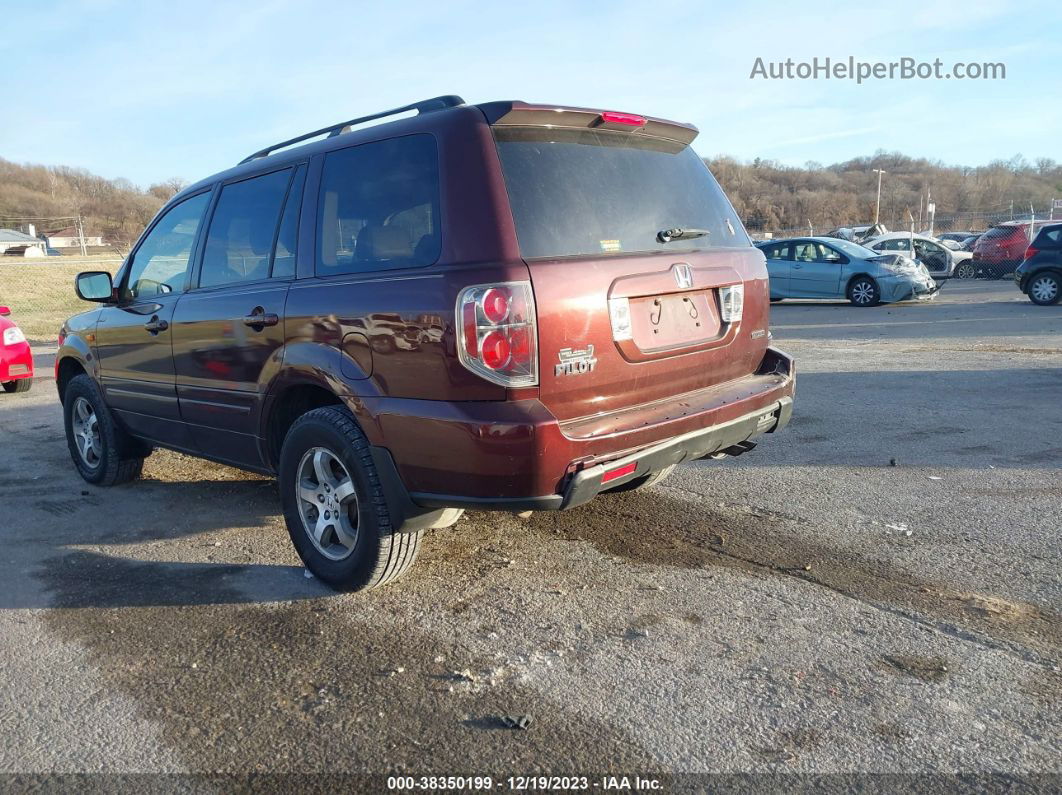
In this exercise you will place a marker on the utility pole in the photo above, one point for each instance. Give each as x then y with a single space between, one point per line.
81 236
877 204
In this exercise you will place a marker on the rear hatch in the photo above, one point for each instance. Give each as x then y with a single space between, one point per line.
625 318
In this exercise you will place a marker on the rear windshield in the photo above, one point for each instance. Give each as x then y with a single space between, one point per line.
591 192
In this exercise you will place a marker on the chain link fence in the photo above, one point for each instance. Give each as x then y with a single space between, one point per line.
40 292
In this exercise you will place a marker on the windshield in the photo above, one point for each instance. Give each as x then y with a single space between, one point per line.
591 192
854 250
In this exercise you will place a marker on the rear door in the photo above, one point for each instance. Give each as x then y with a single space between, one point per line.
624 318
228 331
779 261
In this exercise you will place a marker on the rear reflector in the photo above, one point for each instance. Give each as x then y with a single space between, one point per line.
619 472
628 119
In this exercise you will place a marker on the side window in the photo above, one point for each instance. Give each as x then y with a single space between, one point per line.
288 237
241 232
806 252
777 251
379 207
1051 237
160 264
829 254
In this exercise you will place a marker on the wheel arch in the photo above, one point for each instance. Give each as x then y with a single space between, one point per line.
860 274
67 369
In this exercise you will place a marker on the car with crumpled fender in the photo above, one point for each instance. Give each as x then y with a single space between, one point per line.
827 267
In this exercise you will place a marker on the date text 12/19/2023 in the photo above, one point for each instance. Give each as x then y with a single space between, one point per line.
606 783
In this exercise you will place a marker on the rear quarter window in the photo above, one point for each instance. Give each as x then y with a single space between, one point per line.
1050 237
598 193
378 207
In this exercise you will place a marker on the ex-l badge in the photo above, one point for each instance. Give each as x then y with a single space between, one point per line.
575 362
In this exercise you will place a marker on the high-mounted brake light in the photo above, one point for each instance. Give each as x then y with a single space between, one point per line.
497 335
628 119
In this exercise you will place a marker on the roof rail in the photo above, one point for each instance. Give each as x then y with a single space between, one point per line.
424 106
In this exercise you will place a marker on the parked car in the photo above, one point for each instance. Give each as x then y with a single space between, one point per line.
823 267
1040 274
1002 248
16 358
605 318
941 261
958 237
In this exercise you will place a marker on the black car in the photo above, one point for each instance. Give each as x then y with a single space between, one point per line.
1040 275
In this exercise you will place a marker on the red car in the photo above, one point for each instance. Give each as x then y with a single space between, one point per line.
1002 248
16 359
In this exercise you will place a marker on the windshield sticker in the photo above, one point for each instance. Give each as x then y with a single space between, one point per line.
610 246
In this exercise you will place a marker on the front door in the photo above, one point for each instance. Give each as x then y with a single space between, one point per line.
133 339
229 329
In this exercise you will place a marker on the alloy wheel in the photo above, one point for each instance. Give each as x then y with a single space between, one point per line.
328 503
86 429
863 292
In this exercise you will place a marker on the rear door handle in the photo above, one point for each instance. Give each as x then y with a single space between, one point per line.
155 325
259 319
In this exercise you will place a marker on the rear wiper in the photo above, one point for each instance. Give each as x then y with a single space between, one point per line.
667 235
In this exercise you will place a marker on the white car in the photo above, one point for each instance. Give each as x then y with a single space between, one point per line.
941 261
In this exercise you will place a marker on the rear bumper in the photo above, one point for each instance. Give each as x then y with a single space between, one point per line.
516 456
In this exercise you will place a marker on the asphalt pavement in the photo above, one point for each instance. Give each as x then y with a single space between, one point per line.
874 590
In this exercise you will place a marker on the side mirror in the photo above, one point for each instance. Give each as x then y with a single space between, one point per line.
5 311
94 286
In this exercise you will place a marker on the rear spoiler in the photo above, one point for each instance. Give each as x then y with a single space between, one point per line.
521 114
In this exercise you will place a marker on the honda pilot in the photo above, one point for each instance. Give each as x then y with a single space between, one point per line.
504 306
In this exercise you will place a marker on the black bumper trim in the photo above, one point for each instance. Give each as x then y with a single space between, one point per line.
586 484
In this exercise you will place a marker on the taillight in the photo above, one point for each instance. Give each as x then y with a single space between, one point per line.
497 335
1031 252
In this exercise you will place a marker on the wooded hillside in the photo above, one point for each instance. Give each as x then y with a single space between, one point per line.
769 195
116 209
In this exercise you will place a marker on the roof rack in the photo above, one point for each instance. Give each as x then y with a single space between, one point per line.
424 106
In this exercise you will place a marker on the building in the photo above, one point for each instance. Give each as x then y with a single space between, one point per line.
14 243
68 238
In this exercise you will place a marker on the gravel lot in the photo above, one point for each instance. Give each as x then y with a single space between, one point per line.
805 608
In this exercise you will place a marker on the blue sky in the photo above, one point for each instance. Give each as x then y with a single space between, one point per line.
148 90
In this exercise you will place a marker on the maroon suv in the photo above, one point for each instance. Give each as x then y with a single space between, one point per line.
501 306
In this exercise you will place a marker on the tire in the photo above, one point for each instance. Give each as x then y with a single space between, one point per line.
965 270
643 482
863 291
103 453
1045 289
21 385
358 547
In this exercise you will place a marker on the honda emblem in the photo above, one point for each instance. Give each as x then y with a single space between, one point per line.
683 275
